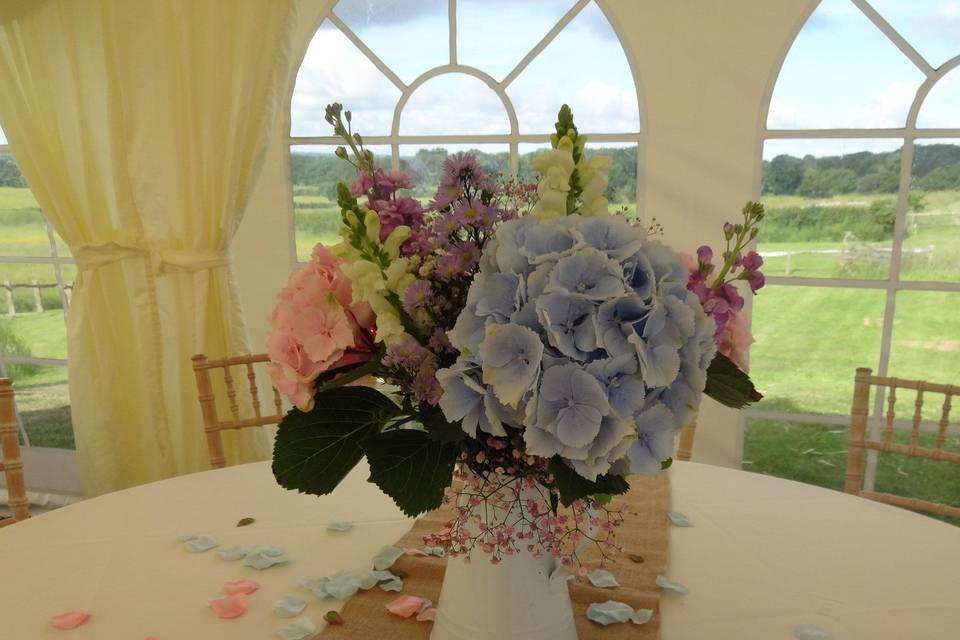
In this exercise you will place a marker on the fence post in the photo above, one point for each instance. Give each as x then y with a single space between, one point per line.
8 290
68 292
789 262
37 298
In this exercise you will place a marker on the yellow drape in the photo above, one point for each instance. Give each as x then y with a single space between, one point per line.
140 127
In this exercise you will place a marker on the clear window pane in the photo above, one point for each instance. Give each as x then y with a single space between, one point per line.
941 107
454 104
43 401
603 96
842 71
424 163
831 207
515 27
809 342
812 453
334 70
36 326
3 137
926 338
409 37
930 26
931 246
315 171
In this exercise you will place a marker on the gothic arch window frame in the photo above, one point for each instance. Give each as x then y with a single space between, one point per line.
514 138
908 134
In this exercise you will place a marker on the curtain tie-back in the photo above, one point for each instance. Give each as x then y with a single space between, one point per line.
92 255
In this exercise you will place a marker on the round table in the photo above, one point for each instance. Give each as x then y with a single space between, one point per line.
764 556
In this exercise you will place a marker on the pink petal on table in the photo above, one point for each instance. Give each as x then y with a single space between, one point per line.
69 620
404 606
427 615
229 606
416 552
240 586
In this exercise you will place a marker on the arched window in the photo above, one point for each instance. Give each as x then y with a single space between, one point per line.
36 278
861 178
431 77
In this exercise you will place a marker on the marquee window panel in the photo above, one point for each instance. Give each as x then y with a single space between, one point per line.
454 104
941 107
930 26
931 243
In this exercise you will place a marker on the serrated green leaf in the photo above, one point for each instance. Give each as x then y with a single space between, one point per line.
728 385
572 486
315 450
411 467
438 428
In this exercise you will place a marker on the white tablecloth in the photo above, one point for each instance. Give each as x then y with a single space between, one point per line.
764 556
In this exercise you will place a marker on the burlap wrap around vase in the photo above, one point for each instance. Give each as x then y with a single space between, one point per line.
511 600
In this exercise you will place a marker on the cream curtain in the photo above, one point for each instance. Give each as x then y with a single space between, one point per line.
140 126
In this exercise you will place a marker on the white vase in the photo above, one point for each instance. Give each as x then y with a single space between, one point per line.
512 600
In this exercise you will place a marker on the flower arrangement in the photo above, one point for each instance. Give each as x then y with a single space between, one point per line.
540 349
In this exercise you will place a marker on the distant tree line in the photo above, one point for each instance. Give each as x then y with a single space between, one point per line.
317 174
936 167
9 172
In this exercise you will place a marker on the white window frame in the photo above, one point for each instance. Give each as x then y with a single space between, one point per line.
892 284
513 139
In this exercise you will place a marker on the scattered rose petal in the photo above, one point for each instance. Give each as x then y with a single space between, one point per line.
609 612
811 632
199 544
297 630
417 553
240 586
245 521
230 606
426 604
332 617
602 578
339 585
267 550
678 519
427 615
231 554
404 606
262 560
289 607
184 537
636 557
641 616
663 583
386 557
69 620
435 551
339 525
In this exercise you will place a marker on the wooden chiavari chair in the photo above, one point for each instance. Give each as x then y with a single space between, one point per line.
10 463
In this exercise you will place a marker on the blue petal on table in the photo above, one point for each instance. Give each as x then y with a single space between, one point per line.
437 552
289 607
670 585
267 550
297 630
609 612
811 632
339 525
602 578
387 581
232 553
261 561
678 519
199 544
641 616
338 585
386 557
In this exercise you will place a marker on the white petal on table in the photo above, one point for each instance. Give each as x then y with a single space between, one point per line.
199 544
811 632
641 616
670 585
609 612
678 519
339 525
386 557
289 607
602 578
298 630
232 553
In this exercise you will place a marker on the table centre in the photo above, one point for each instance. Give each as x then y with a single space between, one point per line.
540 348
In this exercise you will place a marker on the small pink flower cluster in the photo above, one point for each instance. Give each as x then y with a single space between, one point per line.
315 328
503 515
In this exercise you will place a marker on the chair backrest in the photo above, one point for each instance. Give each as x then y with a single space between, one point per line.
685 444
10 462
212 423
861 441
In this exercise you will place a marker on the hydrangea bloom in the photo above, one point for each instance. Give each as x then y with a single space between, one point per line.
582 333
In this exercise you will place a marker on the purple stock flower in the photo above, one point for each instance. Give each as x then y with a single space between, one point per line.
391 181
704 254
752 261
756 281
393 213
361 184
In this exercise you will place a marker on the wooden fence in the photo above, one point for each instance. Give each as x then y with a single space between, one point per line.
37 287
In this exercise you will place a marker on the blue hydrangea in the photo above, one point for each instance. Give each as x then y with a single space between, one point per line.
581 332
